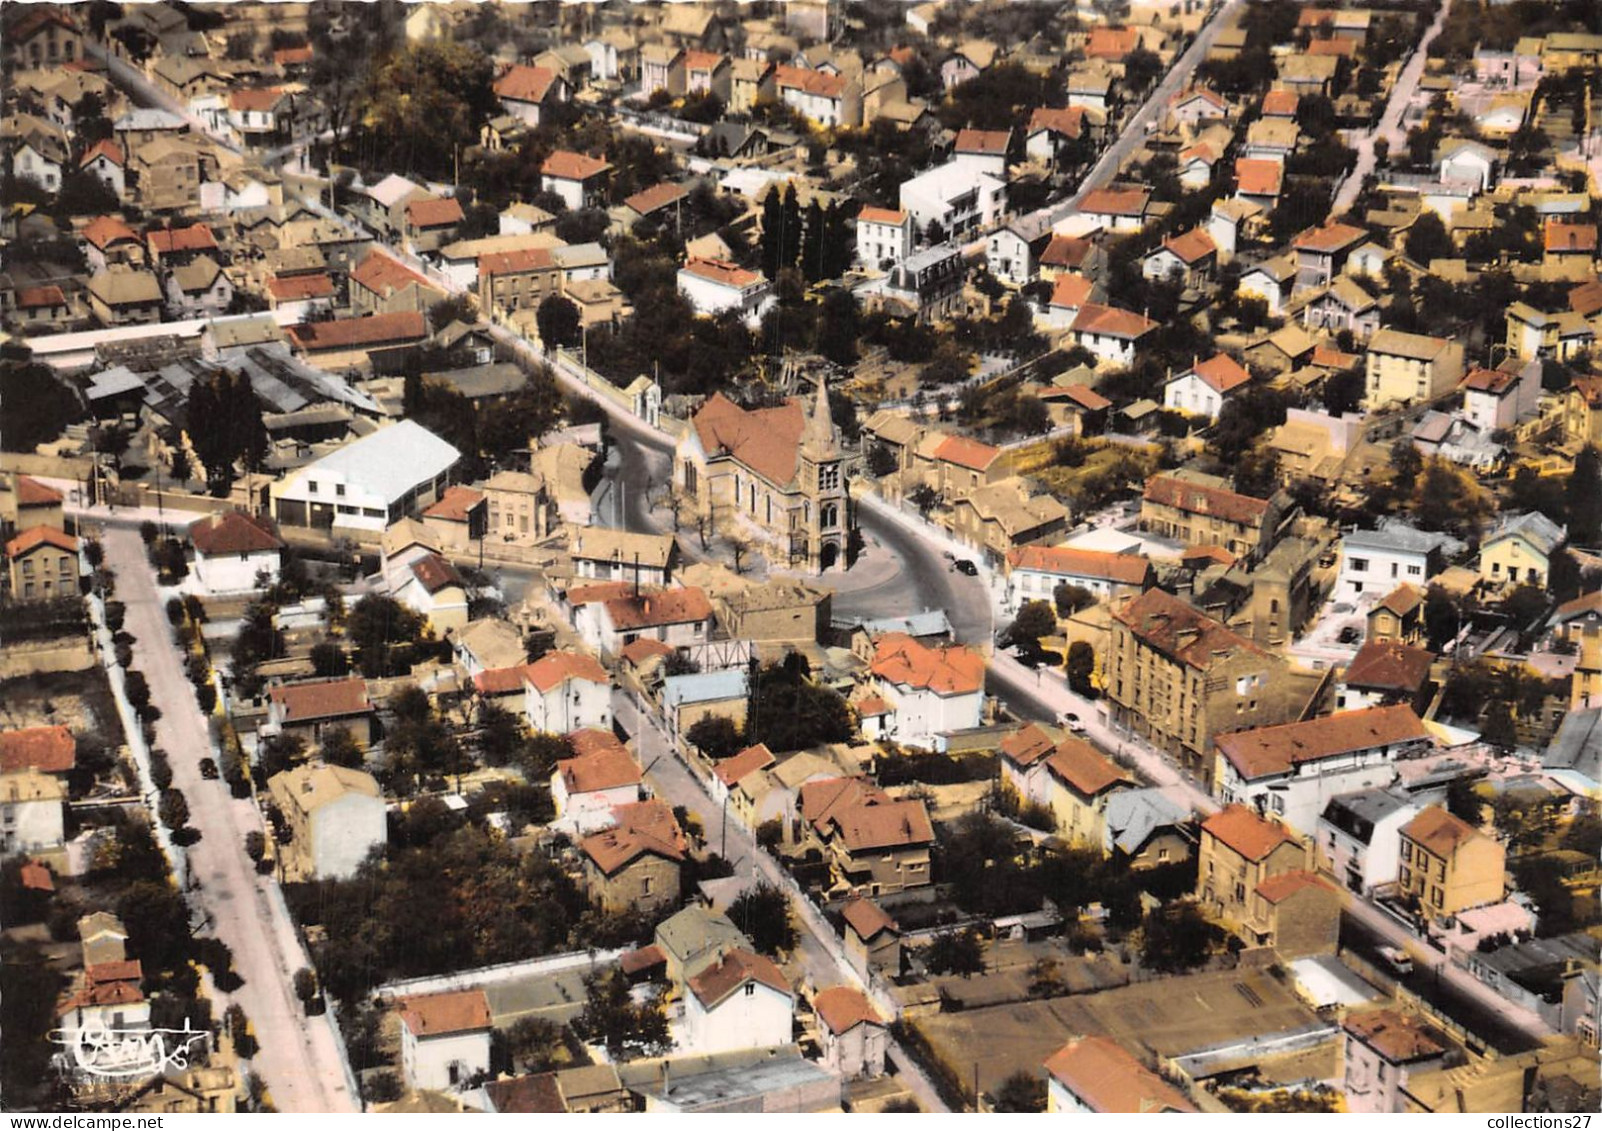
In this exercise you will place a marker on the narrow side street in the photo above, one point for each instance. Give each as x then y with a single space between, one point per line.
821 958
300 1061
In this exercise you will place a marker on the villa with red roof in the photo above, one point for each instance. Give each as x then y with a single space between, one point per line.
235 552
884 236
741 1001
929 692
1188 258
566 691
1202 389
579 179
524 91
445 1039
716 286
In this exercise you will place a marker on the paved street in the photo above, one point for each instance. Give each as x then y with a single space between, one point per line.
1390 122
819 953
299 1060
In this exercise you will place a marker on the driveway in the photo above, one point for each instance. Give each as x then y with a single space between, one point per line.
300 1061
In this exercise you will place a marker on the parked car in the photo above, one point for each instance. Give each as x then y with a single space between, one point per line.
1348 635
1399 961
964 566
208 769
1071 721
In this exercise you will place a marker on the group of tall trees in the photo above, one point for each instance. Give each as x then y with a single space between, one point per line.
226 428
819 241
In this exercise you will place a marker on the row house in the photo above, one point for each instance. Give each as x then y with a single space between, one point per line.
1035 572
1290 772
1188 259
1448 866
1179 677
1359 838
520 279
1201 513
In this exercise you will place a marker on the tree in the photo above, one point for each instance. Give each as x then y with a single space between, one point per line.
305 983
558 319
1498 728
882 461
1081 667
1176 938
1583 495
235 434
715 736
763 914
611 1017
1069 599
839 326
1428 240
956 952
255 846
1021 1092
1463 802
38 406
1035 619
790 712
532 1045
340 748
383 632
419 102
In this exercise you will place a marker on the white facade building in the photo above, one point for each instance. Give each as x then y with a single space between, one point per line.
445 1040
884 236
567 691
31 808
235 553
955 197
369 483
1359 838
930 692
714 286
1377 561
740 1002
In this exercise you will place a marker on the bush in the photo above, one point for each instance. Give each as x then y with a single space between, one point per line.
206 696
138 690
116 613
160 769
123 654
175 611
173 809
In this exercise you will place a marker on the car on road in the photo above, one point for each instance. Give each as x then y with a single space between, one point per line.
1072 722
1348 635
964 566
1399 961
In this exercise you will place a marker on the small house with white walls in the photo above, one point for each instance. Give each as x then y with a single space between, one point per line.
566 691
851 1034
1202 389
929 692
600 776
884 236
445 1040
714 286
235 553
742 1001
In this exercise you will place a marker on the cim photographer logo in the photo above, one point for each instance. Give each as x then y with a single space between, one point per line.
123 1054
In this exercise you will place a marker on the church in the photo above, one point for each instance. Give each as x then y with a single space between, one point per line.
776 471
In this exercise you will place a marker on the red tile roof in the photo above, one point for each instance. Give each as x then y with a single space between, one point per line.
1398 1038
435 573
1065 252
1111 321
1202 498
1027 745
516 262
702 60
1071 291
736 968
594 740
964 451
1081 766
1389 665
867 918
501 681
1330 237
747 761
524 83
950 670
1402 600
437 1015
1270 751
355 333
127 970
1279 888
30 540
1125 569
843 1008
658 607
234 533
879 825
106 148
810 82
297 288
257 101
36 877
440 212
1440 832
1112 43
33 298
766 440
32 493
555 668
1108 1080
1222 373
384 275
1193 246
456 504
1069 122
48 749
1258 176
1164 622
983 142
103 231
658 196
1115 202
292 56
569 166
196 237
872 215
723 272
643 828
1248 835
1280 104
321 699
604 768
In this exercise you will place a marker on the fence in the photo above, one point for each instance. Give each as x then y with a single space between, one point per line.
501 972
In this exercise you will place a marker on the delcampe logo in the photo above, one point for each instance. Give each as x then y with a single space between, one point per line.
98 1050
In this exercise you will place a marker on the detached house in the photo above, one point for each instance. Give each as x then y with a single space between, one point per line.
580 180
1187 259
1239 852
42 564
566 691
1519 550
740 1001
636 862
1409 368
336 818
714 286
1202 389
1449 866
874 845
1052 133
445 1040
1342 305
884 236
430 223
1095 1076
200 289
928 692
311 709
601 776
235 552
830 100
1377 561
1108 332
125 296
524 91
106 163
1117 210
